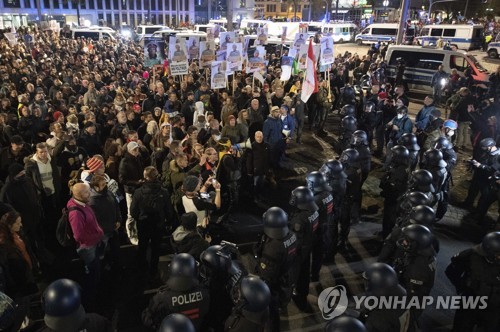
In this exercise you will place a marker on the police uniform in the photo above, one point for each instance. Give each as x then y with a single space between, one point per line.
450 157
364 163
275 261
191 300
393 186
322 240
339 187
352 191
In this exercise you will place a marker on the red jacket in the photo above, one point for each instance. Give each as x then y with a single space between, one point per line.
86 230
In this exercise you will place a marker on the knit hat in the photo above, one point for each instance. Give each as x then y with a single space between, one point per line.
93 164
57 115
189 220
131 146
190 183
15 169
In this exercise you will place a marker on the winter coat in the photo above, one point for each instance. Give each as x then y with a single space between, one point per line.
86 230
258 158
189 242
33 172
7 158
130 172
106 210
151 204
272 130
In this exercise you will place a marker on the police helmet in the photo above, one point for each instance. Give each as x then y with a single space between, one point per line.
400 155
359 137
214 258
275 223
254 292
62 305
380 276
349 122
415 238
316 182
442 143
182 272
409 140
487 143
348 109
433 157
331 168
421 180
414 199
491 247
450 124
176 323
8 313
345 324
348 92
369 106
422 215
349 157
303 198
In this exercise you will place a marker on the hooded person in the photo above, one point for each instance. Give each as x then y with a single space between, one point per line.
187 239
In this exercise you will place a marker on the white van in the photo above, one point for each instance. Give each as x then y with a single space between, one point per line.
148 30
93 34
378 32
341 32
463 36
249 26
422 62
494 47
205 27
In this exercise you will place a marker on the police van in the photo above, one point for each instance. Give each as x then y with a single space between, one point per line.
93 34
378 32
462 36
422 62
494 48
341 32
148 30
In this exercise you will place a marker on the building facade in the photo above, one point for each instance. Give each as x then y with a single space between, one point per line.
109 12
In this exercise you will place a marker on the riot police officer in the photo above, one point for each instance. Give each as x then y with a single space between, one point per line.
333 171
359 142
369 119
474 272
181 294
415 264
220 271
409 141
316 182
421 180
450 157
348 96
276 255
381 280
304 221
348 159
393 185
251 306
345 324
176 323
348 127
348 109
64 311
432 161
408 202
483 169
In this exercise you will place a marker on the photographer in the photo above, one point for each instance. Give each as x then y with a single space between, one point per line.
196 198
399 125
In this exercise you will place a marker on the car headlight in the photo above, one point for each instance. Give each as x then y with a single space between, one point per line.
126 33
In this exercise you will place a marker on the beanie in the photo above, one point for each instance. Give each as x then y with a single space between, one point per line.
94 164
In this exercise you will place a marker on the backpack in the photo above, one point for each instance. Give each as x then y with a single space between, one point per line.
64 233
152 203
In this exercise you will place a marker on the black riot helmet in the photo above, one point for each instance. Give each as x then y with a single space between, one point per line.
252 295
421 180
303 198
400 155
347 109
183 271
349 92
442 143
345 324
275 223
331 168
380 276
415 238
317 183
434 158
176 323
491 247
349 157
62 305
409 140
423 215
215 259
414 199
486 143
349 123
359 137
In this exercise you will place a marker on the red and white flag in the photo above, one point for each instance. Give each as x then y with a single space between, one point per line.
310 84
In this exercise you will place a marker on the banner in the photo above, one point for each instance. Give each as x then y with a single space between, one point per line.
179 68
233 56
261 36
218 75
193 47
226 38
302 57
286 67
256 56
213 32
259 77
326 54
207 53
154 52
177 49
300 39
310 84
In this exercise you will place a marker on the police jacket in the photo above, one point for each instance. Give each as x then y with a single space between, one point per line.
394 183
304 223
339 185
192 301
386 320
439 175
416 271
275 259
490 162
471 274
353 181
324 200
242 320
364 161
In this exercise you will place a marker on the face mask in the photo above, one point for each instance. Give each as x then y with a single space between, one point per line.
450 133
218 137
400 116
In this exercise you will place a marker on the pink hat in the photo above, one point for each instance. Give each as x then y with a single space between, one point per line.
94 164
145 75
57 115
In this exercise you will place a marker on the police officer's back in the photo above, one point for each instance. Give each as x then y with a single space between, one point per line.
348 127
181 294
359 142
